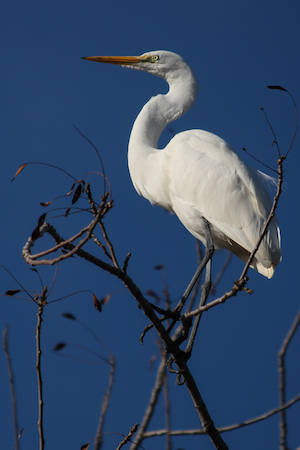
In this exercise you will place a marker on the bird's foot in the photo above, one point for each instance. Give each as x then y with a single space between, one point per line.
182 356
166 314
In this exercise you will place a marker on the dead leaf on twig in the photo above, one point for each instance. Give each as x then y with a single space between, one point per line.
18 171
69 316
59 346
105 299
67 212
12 292
279 88
44 204
77 194
36 232
97 304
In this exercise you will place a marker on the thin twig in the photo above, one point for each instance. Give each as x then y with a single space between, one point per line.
265 416
282 382
98 439
129 436
161 375
165 378
30 259
12 386
213 303
172 347
152 402
19 284
109 244
42 303
47 228
112 255
17 441
167 410
280 88
98 154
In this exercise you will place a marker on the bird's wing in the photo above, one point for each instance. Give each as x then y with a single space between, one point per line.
207 178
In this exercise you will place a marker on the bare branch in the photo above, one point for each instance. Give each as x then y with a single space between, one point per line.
98 154
129 436
282 382
109 244
265 416
167 410
12 386
179 358
296 117
17 441
98 439
152 402
31 259
42 303
235 289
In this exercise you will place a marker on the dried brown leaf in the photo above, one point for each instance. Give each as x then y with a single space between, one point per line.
69 316
85 446
36 232
279 88
97 304
42 219
67 212
59 346
77 194
44 204
12 292
18 171
105 299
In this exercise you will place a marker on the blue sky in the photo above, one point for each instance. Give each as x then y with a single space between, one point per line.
236 49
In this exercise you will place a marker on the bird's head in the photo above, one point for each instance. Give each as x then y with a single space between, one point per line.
162 63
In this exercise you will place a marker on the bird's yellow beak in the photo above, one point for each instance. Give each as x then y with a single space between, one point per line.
120 60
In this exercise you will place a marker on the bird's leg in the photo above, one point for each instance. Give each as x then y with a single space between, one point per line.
209 250
205 288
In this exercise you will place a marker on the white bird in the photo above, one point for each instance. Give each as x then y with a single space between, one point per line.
197 175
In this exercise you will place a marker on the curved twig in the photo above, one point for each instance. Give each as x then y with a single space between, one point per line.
282 383
12 386
98 439
42 302
265 416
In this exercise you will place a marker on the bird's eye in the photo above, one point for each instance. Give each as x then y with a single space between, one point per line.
152 58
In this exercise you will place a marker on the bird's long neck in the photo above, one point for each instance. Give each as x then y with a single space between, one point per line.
163 109
143 154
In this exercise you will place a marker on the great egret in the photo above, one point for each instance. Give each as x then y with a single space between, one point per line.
198 176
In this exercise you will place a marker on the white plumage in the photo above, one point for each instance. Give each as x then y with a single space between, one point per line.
197 175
